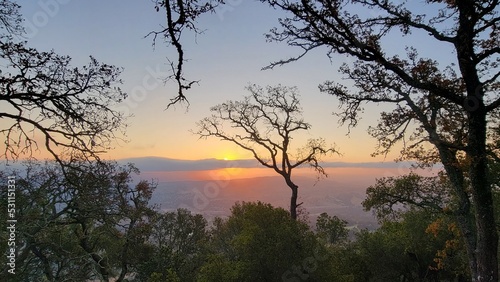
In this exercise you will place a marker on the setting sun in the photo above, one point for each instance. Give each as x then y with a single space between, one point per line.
229 156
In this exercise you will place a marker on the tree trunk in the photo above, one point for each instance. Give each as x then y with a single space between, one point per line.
100 261
463 211
293 202
47 270
482 199
293 199
481 238
487 236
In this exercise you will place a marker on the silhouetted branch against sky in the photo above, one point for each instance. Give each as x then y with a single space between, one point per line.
181 15
46 100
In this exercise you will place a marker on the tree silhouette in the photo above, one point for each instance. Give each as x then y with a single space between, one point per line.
263 124
451 107
89 223
181 15
44 99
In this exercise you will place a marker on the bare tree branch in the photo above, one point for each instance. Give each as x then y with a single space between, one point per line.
181 15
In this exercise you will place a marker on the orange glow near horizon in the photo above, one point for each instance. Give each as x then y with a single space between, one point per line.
222 174
356 174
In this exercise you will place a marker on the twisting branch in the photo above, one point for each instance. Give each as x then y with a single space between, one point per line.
180 15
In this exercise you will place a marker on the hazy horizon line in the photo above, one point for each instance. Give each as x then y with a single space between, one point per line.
158 163
172 164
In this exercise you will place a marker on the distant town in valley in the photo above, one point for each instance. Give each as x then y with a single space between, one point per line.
211 187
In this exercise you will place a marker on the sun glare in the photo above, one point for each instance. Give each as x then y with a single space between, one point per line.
229 157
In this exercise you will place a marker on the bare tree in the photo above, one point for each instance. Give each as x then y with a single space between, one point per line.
452 107
45 99
263 124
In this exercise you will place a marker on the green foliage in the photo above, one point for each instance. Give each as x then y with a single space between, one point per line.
178 241
219 268
80 224
331 228
345 264
170 276
259 243
390 197
418 230
410 248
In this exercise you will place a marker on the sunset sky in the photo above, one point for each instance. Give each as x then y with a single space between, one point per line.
226 58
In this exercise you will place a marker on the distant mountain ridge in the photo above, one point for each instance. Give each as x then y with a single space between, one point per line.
152 163
169 164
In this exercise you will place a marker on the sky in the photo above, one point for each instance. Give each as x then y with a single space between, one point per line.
226 58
